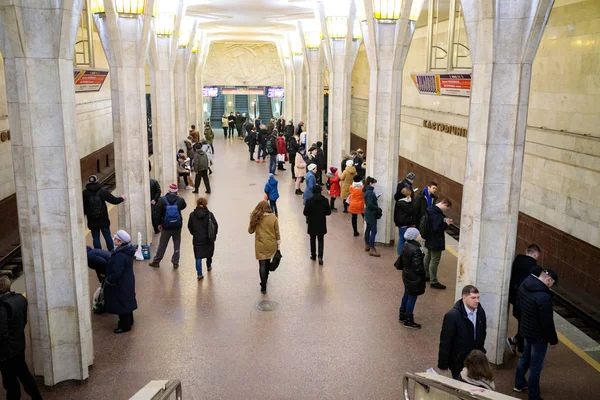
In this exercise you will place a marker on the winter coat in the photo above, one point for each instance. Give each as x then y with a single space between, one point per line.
537 317
522 267
208 150
289 130
270 144
231 120
311 181
271 127
457 338
316 210
347 180
357 200
94 205
281 146
195 136
420 205
224 122
404 213
239 121
403 184
266 237
198 227
292 146
200 162
161 208
371 205
189 145
300 166
251 140
209 135
119 288
271 189
334 185
413 272
13 318
358 161
321 159
436 239
155 189
97 259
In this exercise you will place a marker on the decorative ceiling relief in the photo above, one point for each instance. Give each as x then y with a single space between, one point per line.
243 64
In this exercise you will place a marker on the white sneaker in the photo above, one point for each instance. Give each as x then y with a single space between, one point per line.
189 188
512 346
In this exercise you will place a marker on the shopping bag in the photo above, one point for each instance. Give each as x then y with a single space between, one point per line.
139 256
98 302
275 261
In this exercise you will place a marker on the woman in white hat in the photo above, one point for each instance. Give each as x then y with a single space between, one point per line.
413 276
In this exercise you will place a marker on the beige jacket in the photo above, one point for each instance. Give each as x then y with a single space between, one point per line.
347 179
266 237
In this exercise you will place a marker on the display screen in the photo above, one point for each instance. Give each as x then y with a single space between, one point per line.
210 91
275 92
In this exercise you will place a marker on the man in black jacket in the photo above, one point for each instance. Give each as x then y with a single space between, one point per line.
463 330
154 197
293 143
425 199
171 224
406 183
522 267
435 240
13 318
537 327
94 207
316 211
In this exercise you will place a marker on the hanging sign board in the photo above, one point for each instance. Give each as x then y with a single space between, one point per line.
443 84
89 80
243 90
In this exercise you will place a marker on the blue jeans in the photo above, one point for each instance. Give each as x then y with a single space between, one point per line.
370 234
532 359
408 303
261 152
273 204
401 231
107 237
272 163
199 265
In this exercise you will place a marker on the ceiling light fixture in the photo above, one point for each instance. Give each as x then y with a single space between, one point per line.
164 18
337 27
356 32
388 11
184 32
125 8
313 40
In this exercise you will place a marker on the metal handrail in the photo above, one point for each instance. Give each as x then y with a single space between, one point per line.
172 386
427 383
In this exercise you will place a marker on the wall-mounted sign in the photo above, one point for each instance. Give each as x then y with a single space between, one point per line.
276 92
451 129
210 91
89 80
443 84
243 90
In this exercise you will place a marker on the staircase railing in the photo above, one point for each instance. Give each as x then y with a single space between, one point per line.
159 390
453 388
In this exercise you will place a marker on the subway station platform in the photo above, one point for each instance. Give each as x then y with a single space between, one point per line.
335 336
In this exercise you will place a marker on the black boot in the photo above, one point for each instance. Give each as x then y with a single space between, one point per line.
402 315
345 207
332 204
298 191
355 227
409 322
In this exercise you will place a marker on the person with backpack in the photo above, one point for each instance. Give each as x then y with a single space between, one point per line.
371 215
94 207
292 146
433 228
261 140
203 226
209 136
14 369
413 276
272 193
251 140
281 151
403 216
170 207
200 165
271 145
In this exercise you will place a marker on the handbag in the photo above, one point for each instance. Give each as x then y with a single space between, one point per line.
379 213
275 261
398 264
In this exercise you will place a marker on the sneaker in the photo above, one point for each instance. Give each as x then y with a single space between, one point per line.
188 187
520 389
175 266
512 346
154 264
437 286
200 277
374 253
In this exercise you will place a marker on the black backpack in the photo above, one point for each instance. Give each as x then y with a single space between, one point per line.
424 228
95 208
212 228
271 146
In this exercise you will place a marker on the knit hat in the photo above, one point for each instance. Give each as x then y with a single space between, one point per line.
411 176
411 234
122 236
312 166
93 179
333 170
357 178
271 176
173 188
349 163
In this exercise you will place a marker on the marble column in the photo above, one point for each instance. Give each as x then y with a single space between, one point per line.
316 98
125 42
38 67
195 115
387 46
162 60
503 38
299 89
182 124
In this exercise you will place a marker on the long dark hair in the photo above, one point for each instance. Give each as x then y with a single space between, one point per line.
478 366
259 211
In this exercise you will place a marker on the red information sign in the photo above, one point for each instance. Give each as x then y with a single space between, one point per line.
455 85
88 80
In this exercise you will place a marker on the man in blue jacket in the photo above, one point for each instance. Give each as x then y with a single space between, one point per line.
537 327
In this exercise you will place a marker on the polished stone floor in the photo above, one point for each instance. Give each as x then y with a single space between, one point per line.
336 335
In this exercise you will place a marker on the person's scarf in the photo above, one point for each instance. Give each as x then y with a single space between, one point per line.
428 197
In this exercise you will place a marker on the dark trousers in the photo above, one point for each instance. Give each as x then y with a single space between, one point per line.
332 203
126 321
272 163
355 220
319 176
204 176
532 359
107 237
262 152
293 164
165 236
251 149
313 245
15 370
225 128
273 204
239 131
408 303
231 131
263 270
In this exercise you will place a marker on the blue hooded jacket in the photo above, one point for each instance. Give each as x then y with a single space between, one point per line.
311 181
271 188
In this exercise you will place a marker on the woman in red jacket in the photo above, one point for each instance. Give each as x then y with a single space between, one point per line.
334 187
281 151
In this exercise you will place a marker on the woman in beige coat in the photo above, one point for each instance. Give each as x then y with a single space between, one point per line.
300 168
265 226
347 179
